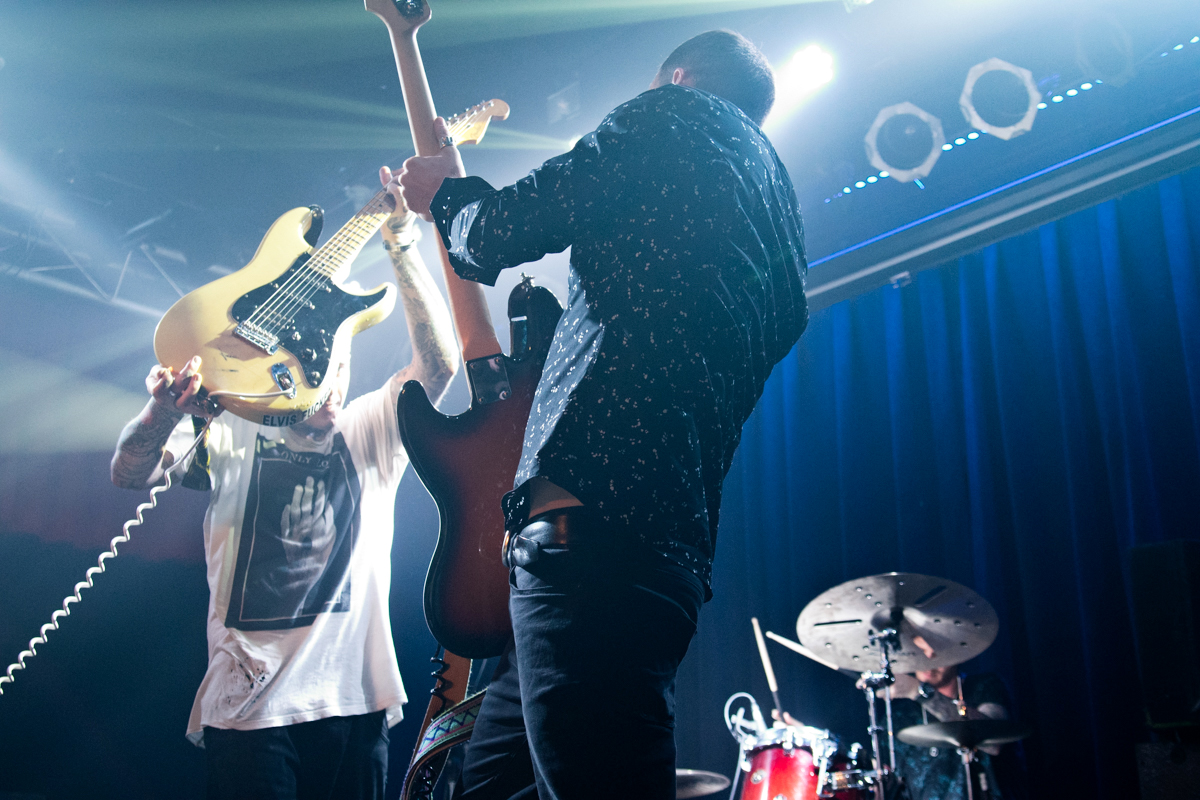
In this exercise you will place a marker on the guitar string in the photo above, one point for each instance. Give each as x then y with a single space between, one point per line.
286 301
279 310
354 234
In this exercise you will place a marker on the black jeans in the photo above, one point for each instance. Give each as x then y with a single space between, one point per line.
582 703
334 758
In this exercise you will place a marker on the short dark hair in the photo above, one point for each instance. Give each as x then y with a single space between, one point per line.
726 64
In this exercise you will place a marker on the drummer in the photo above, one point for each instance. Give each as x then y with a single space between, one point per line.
937 695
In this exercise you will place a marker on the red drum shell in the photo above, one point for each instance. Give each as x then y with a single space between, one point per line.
777 772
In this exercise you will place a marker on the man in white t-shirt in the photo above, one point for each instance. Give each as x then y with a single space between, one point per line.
302 681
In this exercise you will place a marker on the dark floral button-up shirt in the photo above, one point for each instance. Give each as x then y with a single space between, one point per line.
686 287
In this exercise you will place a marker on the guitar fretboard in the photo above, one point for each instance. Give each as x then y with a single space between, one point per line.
344 245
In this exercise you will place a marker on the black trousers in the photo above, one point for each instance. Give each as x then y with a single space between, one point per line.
582 703
334 758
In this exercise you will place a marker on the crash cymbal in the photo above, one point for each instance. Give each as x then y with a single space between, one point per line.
968 733
698 783
953 620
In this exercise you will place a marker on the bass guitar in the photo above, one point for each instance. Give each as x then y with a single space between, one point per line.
468 462
272 333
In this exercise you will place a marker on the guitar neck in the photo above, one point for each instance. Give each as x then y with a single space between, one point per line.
345 245
472 321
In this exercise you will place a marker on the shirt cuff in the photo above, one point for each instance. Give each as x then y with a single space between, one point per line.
454 208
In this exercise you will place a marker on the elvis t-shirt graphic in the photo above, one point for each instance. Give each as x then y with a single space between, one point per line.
298 533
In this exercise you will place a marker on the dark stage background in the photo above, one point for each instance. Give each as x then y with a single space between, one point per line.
1015 420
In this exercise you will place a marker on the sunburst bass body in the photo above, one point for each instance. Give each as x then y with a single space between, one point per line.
281 322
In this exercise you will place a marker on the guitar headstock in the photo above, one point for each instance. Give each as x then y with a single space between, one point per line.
469 126
400 15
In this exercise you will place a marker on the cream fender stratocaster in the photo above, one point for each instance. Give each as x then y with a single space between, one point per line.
272 334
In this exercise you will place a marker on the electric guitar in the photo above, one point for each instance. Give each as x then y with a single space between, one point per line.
272 334
468 462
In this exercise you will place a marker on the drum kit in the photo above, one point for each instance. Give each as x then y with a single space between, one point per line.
870 628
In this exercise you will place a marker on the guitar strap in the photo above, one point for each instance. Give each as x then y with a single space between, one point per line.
449 720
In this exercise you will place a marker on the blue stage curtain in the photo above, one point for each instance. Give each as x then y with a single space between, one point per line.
1015 421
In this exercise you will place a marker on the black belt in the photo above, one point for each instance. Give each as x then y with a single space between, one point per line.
562 527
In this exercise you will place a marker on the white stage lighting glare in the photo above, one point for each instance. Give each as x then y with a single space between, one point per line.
808 70
1007 100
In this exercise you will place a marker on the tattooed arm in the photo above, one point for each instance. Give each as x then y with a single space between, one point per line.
435 352
140 460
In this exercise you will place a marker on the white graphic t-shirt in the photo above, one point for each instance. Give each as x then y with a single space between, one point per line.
298 539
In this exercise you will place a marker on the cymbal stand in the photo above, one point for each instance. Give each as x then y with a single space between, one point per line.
872 681
968 755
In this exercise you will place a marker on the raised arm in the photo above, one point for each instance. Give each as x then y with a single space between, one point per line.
140 460
435 354
487 230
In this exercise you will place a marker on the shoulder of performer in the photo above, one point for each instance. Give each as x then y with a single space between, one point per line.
674 104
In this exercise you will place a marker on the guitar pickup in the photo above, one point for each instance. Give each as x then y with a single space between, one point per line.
257 336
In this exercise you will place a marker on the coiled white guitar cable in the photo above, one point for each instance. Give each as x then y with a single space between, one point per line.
89 576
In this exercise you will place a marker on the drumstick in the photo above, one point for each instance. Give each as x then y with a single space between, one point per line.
766 661
802 650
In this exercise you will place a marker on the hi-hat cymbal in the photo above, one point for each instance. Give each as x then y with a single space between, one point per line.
953 620
698 783
968 733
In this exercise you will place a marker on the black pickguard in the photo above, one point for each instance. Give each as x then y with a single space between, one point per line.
308 332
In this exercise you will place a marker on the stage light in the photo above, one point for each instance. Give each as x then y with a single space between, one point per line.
905 141
947 147
1058 98
999 98
1085 86
808 70
973 135
872 179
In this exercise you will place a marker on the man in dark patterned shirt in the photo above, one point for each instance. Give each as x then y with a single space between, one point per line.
686 288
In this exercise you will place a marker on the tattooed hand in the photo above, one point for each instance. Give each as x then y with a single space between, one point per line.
179 393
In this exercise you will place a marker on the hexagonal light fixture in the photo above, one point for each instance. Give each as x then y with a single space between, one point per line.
966 101
922 169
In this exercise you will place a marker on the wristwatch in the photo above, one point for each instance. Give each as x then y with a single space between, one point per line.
926 690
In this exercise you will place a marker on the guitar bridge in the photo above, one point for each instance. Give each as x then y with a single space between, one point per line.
257 336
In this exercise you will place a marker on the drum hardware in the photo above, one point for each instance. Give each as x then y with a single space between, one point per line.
911 623
798 762
966 736
698 783
885 640
915 622
940 623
